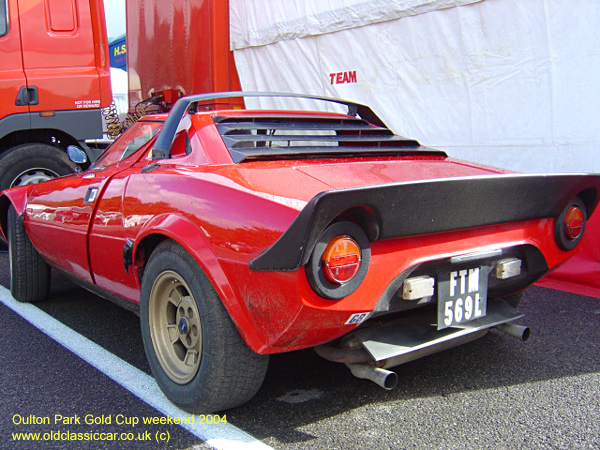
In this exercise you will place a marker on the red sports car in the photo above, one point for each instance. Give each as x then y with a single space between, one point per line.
240 233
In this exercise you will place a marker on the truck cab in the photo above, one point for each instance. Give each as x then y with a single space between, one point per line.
54 81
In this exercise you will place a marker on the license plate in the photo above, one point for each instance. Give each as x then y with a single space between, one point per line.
462 296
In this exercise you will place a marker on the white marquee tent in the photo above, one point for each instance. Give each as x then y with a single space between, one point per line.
511 83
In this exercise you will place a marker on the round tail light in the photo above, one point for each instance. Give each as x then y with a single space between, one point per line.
341 259
573 222
570 225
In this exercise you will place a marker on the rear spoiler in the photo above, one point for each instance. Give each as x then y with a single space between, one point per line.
431 206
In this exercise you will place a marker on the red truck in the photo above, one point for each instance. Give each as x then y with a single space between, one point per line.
189 52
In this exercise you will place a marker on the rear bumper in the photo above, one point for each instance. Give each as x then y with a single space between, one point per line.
370 351
411 337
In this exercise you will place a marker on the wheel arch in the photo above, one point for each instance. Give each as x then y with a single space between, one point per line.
194 241
180 230
54 137
60 129
16 197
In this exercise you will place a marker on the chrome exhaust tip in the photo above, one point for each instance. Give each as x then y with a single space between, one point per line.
382 377
517 331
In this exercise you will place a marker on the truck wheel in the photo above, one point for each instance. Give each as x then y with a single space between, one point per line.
29 273
197 356
33 163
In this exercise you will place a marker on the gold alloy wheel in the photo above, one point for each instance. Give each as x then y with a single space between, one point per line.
175 327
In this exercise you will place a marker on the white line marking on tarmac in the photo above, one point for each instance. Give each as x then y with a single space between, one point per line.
140 384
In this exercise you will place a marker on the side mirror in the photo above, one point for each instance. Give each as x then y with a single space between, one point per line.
76 154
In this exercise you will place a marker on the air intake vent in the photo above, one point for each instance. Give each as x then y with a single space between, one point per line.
293 137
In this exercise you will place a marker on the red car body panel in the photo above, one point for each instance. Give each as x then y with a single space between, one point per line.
226 215
580 274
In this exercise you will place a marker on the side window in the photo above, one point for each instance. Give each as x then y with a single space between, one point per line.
3 17
128 144
181 142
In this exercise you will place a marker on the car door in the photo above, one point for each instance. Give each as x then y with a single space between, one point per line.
120 216
107 238
60 212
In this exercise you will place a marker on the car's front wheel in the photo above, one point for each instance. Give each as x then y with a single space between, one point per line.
29 273
196 354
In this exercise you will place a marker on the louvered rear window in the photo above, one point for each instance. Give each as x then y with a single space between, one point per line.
291 137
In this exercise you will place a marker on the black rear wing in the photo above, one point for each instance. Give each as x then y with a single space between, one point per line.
431 206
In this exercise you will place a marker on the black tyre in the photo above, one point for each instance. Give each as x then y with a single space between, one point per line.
197 356
33 163
29 273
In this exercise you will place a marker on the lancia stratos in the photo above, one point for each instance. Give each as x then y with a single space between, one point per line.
240 233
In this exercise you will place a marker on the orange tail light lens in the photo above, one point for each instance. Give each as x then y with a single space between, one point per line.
573 222
570 225
341 259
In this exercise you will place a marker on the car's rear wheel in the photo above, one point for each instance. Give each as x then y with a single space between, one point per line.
196 354
29 273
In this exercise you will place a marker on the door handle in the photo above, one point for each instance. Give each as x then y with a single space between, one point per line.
91 195
27 96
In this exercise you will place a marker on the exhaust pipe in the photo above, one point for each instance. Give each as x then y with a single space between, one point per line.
343 355
382 377
517 331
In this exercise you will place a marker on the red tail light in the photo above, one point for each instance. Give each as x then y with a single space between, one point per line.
570 225
341 259
574 222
